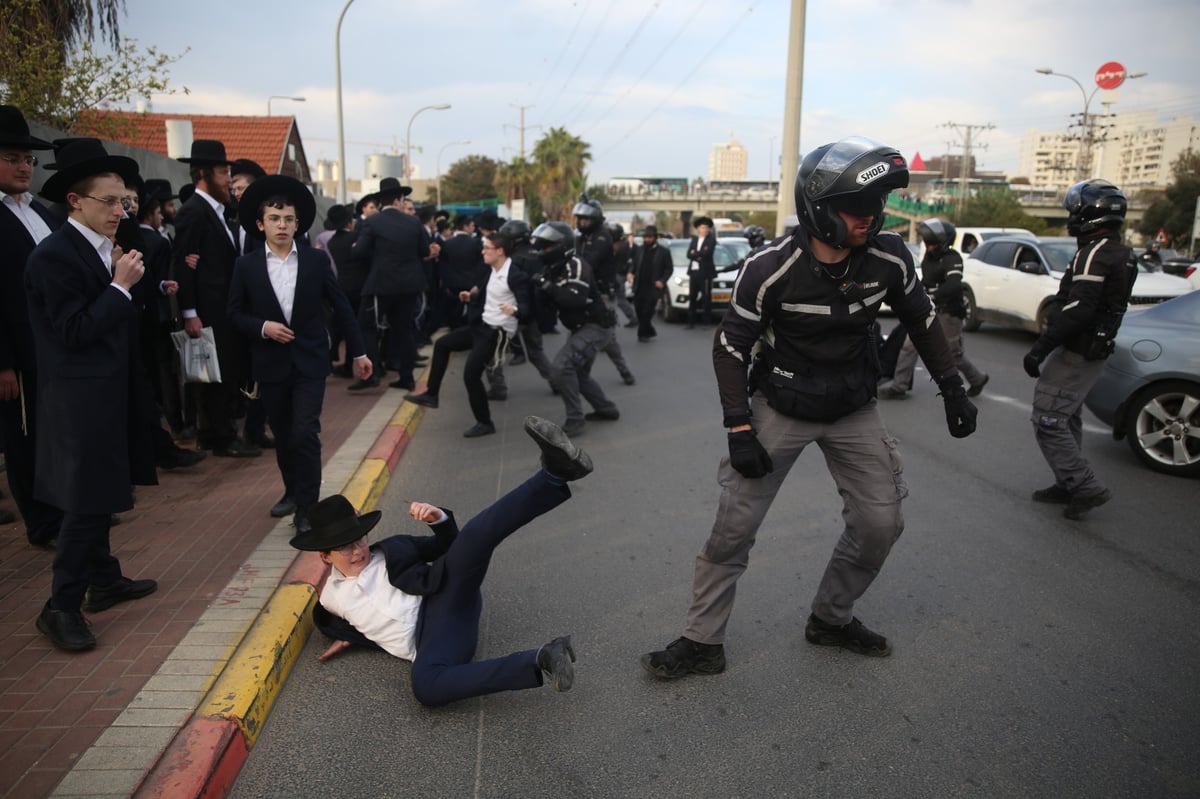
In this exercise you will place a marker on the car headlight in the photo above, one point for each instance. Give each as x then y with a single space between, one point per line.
680 281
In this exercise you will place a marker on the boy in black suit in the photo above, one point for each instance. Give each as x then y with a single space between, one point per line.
276 300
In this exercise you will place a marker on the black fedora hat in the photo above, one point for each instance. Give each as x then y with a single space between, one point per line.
244 166
702 220
161 189
390 189
334 524
81 159
207 152
265 188
14 131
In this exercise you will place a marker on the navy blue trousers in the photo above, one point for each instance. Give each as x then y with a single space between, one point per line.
83 558
294 410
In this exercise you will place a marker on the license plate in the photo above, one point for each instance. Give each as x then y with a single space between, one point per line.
721 296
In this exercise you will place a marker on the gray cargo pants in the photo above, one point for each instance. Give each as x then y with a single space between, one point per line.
906 364
571 371
866 468
1057 419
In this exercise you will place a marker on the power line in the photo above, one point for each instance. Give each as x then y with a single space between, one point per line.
582 56
563 51
582 105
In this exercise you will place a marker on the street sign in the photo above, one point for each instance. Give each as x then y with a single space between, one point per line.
1110 75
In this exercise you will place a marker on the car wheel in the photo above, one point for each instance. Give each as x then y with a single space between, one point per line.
669 313
971 320
1163 427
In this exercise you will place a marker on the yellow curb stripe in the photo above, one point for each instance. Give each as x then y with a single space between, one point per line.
366 485
407 414
247 688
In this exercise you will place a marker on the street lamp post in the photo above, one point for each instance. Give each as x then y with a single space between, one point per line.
341 136
281 97
1083 165
408 135
439 166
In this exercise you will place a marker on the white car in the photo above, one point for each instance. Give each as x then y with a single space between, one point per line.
728 258
1010 280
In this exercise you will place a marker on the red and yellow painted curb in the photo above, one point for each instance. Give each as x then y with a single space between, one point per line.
204 758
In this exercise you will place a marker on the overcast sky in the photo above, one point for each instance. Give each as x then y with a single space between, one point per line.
651 86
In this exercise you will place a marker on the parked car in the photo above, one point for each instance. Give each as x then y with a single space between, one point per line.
1192 275
966 239
1171 261
1149 391
728 258
1010 280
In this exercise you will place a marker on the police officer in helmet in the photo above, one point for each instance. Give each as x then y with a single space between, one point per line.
1090 304
756 236
594 246
809 301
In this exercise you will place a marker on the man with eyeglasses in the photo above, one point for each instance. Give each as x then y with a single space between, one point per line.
85 328
23 224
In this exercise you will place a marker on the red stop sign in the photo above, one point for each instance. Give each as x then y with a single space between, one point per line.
1110 75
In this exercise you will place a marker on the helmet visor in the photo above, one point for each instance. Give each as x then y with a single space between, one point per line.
862 204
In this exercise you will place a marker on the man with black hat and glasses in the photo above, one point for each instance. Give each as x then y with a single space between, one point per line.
23 224
806 303
418 598
201 230
85 328
277 301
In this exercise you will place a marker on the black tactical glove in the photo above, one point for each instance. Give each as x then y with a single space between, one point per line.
748 456
960 412
1034 358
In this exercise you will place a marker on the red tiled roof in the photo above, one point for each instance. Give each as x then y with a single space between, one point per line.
260 139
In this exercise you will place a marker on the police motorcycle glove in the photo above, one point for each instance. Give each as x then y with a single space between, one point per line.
1034 358
960 411
748 456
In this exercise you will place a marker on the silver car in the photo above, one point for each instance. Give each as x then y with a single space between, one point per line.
1149 391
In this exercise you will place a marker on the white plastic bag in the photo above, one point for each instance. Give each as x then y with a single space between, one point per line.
197 356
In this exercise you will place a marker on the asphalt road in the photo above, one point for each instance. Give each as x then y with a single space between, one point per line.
1034 656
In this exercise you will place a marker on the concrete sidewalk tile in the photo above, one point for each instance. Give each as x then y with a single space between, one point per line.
167 700
97 783
152 717
115 758
178 682
134 737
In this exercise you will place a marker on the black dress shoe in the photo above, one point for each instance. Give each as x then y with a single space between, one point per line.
555 659
300 520
237 449
66 629
185 434
560 457
265 441
479 429
408 384
602 416
361 385
286 506
180 458
103 597
50 543
426 399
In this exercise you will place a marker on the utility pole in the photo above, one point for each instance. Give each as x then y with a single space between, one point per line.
521 127
790 141
967 132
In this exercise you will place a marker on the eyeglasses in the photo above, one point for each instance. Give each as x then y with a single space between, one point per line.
14 160
276 219
490 247
112 202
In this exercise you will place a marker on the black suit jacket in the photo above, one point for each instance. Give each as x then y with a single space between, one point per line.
198 229
16 337
252 302
650 264
460 264
93 439
393 244
701 252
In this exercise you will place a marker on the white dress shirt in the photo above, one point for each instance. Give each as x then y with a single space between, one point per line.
104 248
376 608
31 219
498 292
282 272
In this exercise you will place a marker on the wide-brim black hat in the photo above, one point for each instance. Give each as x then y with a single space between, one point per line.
265 188
244 166
334 524
207 152
14 131
81 159
702 220
161 189
390 189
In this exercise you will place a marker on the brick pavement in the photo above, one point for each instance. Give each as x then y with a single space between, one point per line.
194 533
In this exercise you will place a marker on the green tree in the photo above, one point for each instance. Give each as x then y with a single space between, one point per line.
1174 211
469 179
558 177
999 208
66 23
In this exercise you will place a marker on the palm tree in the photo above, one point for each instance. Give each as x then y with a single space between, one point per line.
67 21
559 159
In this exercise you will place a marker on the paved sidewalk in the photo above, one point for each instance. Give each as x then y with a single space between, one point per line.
199 656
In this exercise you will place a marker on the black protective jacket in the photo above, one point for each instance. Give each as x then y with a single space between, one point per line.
1093 294
786 299
596 248
571 289
941 274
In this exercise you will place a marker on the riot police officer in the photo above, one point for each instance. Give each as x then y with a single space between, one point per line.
809 301
756 236
1091 302
622 264
594 245
941 274
568 286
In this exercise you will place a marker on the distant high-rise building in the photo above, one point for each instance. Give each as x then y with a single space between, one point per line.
727 161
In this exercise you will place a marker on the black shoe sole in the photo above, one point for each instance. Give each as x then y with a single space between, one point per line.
824 638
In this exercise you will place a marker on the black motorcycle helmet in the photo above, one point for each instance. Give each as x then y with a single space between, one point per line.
554 242
938 234
756 236
517 231
1094 204
853 175
616 230
588 214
